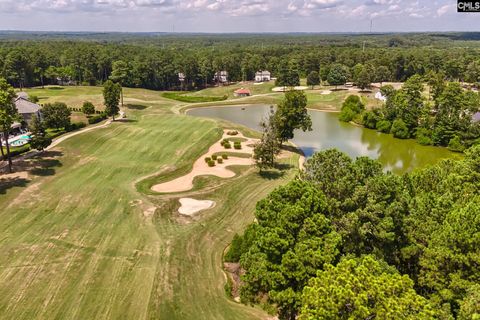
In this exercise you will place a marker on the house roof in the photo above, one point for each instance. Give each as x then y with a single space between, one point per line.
24 106
476 117
242 91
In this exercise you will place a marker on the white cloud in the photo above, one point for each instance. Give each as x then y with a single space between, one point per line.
446 9
288 15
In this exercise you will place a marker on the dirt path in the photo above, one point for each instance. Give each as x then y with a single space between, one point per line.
201 168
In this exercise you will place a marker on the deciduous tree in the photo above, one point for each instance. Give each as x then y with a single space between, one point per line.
291 115
111 96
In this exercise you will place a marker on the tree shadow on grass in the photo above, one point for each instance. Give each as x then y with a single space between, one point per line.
136 107
126 120
271 174
8 183
44 164
277 172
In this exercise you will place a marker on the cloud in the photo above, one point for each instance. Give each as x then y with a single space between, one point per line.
216 15
446 9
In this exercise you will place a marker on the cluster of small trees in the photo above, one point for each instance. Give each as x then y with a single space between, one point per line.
443 119
347 240
279 127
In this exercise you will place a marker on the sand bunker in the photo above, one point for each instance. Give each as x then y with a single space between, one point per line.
282 89
201 168
191 206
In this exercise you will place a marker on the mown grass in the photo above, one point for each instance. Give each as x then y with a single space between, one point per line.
79 240
185 97
75 96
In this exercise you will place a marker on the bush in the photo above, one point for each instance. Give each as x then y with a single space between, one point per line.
220 160
346 115
400 130
97 118
225 156
456 145
232 133
384 126
214 157
235 250
424 136
88 108
211 163
208 159
227 145
370 119
237 145
76 125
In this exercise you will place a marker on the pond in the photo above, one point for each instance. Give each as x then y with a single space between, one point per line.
396 155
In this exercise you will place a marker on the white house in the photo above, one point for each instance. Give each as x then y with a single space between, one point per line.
221 77
262 76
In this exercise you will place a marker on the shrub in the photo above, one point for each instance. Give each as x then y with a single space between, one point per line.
456 145
424 136
237 145
97 118
371 118
232 133
400 130
384 126
214 157
220 160
227 145
208 159
346 115
225 156
88 108
211 163
76 126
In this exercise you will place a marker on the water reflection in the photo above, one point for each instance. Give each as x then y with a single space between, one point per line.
396 155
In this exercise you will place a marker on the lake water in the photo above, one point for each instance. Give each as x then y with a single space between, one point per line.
396 155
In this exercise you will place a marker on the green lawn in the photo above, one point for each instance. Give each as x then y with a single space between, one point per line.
80 240
75 96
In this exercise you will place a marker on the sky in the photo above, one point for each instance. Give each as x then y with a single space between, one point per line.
223 16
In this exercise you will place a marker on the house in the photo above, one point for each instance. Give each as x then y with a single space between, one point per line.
262 76
221 77
26 108
242 93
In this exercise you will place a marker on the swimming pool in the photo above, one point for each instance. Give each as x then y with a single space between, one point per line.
20 141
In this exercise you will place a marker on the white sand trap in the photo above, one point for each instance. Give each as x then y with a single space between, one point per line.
191 206
282 89
201 168
325 92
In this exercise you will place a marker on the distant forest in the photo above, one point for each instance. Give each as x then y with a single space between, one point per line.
153 60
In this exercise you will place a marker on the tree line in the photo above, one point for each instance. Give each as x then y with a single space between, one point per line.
346 240
150 65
